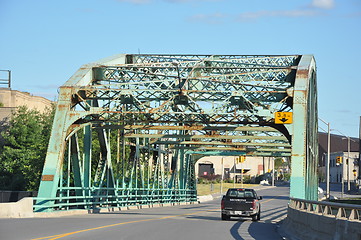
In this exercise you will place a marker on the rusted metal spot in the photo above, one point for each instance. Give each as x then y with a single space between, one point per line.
303 73
62 106
47 178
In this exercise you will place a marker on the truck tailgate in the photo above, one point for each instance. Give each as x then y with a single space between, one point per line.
238 204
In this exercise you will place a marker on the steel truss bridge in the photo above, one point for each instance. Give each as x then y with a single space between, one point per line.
129 129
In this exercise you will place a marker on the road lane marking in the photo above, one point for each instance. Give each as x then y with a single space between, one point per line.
54 237
264 201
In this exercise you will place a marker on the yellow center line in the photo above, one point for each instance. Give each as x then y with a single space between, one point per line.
54 237
117 224
268 200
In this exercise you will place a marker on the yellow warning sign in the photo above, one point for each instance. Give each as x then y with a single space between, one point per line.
283 117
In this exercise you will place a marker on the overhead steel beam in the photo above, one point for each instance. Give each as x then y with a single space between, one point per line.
130 135
245 144
193 127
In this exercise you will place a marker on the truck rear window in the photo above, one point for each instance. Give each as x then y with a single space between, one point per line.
240 193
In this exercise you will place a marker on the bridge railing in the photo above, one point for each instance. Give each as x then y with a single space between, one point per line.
322 220
337 210
112 197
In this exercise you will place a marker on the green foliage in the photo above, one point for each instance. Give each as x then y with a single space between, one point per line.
278 163
1 104
286 176
209 179
114 138
22 154
246 179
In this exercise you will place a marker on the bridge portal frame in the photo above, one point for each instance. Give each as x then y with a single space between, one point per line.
241 123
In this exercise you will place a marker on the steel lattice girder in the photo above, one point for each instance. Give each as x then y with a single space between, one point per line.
166 108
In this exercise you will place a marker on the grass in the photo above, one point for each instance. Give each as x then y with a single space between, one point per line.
205 189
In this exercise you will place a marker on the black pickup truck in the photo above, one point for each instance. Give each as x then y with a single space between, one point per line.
241 202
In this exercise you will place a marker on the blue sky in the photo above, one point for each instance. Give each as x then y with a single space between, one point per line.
44 42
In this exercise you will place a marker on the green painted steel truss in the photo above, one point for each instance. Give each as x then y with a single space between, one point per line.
129 129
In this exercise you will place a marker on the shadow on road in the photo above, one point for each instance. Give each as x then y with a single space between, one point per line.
274 212
234 231
257 230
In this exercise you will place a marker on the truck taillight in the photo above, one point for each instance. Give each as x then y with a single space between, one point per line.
222 204
254 204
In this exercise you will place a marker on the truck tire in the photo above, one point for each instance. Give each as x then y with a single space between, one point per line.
224 217
257 216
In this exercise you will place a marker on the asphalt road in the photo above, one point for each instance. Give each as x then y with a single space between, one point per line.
199 221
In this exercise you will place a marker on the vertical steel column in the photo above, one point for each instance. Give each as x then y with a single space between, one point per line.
55 153
87 159
75 162
304 138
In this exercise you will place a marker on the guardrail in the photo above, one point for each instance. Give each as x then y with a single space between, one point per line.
338 210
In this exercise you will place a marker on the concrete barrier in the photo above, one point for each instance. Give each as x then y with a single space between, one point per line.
19 209
205 198
301 224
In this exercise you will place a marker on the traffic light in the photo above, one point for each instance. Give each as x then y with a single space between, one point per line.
354 172
241 159
338 160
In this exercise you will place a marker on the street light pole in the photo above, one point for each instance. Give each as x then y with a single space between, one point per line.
343 178
348 164
328 158
328 162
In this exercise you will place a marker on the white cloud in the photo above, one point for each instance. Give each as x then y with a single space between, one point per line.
324 4
210 19
287 13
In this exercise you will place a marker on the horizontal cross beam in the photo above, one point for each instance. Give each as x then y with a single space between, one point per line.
183 136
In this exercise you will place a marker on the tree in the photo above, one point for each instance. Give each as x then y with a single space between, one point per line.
23 152
278 162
